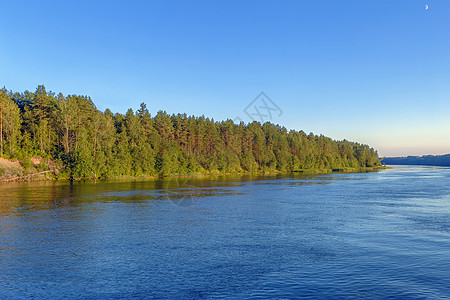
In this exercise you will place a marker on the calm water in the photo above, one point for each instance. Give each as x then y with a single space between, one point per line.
371 235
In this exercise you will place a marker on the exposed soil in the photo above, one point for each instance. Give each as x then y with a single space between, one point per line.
10 168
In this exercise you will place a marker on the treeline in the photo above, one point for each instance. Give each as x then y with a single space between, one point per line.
89 143
426 160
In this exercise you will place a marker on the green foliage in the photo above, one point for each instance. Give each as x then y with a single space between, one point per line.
42 166
10 122
94 144
26 163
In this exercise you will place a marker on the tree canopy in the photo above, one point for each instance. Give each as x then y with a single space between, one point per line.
93 144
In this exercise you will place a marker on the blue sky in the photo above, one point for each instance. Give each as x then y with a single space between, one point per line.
376 72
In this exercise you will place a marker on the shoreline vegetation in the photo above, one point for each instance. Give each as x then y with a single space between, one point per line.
50 175
49 136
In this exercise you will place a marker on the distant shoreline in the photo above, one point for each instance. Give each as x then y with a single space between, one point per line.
425 160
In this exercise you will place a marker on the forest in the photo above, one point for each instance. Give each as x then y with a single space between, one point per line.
426 160
84 142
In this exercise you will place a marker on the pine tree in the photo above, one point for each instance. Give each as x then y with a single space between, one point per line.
93 144
10 123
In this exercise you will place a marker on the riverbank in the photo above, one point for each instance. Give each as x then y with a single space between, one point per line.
28 169
36 169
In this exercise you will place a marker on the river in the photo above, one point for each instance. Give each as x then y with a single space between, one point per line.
353 235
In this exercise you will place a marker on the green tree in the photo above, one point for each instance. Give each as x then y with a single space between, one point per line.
10 123
92 144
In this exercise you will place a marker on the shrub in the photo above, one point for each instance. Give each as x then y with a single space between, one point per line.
26 163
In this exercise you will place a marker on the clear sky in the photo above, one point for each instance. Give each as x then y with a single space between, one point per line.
373 71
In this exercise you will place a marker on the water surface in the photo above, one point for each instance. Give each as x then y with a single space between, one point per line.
340 236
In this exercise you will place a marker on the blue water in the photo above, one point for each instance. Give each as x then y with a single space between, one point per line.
340 236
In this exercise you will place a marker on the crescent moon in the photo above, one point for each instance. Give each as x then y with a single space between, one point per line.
426 7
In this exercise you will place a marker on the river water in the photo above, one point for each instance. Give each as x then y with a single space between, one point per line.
342 236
